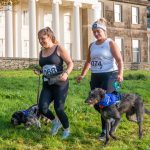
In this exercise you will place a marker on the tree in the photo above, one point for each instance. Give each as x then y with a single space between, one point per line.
8 2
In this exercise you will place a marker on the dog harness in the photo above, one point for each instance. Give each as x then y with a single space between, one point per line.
25 112
110 99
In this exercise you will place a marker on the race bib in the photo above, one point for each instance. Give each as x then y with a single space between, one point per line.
49 70
96 64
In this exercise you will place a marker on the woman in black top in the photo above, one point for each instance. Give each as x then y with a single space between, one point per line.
51 60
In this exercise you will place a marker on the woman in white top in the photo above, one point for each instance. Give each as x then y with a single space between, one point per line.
105 60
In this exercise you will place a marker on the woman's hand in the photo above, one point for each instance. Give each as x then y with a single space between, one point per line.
120 78
37 69
37 72
64 76
79 78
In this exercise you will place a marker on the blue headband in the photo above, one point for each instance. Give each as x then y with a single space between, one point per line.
101 26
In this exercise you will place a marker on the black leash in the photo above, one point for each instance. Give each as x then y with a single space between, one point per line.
38 93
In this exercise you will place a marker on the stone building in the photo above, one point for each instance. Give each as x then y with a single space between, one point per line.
71 21
128 27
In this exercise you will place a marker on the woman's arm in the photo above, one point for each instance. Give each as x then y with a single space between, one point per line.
117 55
86 67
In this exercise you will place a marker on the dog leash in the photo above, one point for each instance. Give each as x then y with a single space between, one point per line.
38 93
38 68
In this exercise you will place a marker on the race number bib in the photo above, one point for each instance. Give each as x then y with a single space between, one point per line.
96 64
49 70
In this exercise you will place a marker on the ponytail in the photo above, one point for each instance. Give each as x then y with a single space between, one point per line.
47 31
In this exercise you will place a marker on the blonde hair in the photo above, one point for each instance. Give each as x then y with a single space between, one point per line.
102 21
48 31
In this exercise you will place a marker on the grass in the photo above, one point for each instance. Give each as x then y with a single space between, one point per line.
18 91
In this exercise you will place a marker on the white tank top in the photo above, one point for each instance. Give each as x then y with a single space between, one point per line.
101 58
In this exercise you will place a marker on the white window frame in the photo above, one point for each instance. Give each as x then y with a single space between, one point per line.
135 15
2 48
136 51
48 19
119 42
118 13
101 9
67 22
67 33
2 18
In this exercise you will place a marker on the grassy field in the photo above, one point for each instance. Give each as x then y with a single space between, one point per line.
18 91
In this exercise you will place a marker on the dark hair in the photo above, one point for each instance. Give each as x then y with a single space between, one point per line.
48 31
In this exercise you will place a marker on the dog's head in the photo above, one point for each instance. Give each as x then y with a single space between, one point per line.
95 96
18 118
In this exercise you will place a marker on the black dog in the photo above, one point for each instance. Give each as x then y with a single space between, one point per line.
28 117
130 104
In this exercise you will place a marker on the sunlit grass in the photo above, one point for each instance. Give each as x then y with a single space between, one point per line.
18 91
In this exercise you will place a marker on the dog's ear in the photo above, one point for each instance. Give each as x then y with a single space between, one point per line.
102 93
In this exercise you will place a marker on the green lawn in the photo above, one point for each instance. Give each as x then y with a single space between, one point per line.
18 91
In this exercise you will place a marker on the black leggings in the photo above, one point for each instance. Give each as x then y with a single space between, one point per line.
104 81
58 94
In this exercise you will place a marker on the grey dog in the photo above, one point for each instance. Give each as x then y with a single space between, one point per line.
130 104
29 117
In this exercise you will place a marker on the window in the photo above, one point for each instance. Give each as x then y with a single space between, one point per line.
98 10
2 17
2 44
136 51
48 20
67 32
67 22
118 13
148 17
25 49
101 9
135 15
119 42
68 47
25 18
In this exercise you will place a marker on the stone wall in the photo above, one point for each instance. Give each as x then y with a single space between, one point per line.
21 63
16 63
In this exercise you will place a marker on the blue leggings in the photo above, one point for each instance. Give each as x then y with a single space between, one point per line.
104 81
58 94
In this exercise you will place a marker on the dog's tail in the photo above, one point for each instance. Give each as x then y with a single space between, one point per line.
147 111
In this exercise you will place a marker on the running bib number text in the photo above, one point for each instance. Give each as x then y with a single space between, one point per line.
96 64
49 70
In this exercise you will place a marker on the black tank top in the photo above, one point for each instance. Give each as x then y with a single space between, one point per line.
52 59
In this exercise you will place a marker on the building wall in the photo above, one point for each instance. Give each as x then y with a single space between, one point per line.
22 63
126 30
88 12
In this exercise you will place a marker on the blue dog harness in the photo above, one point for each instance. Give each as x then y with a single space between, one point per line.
25 112
110 99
